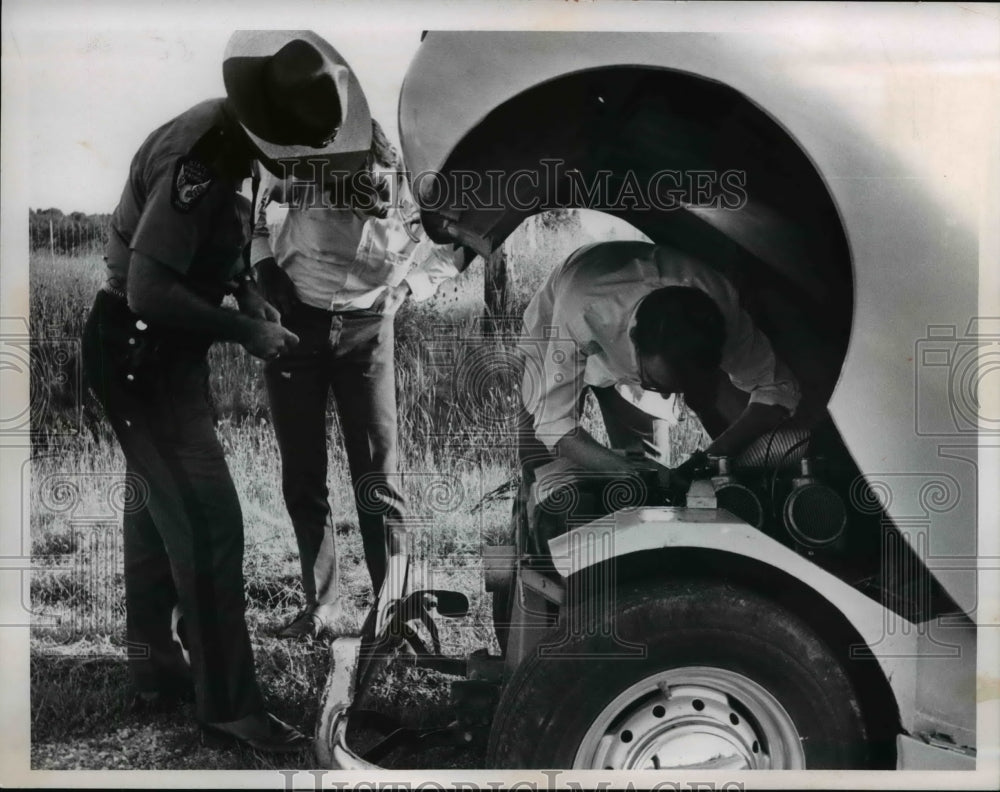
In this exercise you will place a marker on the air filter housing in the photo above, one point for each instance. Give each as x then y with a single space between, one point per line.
735 498
814 514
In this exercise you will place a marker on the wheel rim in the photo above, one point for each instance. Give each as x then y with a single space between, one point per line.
692 718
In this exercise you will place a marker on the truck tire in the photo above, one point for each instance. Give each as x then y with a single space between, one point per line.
728 680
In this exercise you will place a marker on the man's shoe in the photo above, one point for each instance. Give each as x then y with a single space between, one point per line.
263 732
328 619
306 625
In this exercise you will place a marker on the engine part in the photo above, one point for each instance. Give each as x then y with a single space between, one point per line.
736 498
814 514
784 446
742 502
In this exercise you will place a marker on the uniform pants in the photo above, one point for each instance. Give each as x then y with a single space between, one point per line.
351 355
183 528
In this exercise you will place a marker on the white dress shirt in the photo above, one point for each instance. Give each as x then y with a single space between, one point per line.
344 260
577 333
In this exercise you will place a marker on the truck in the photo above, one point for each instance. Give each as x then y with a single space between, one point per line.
812 604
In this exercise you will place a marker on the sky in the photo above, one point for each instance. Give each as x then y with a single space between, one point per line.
94 95
91 80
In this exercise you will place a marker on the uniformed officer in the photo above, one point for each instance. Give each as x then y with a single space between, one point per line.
176 247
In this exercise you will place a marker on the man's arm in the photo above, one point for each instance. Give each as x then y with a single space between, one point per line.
252 302
435 265
156 293
755 421
275 285
753 367
422 282
583 450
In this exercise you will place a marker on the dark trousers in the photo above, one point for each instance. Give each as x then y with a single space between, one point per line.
350 354
183 528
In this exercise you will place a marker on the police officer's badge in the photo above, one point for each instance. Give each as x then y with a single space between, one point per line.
192 178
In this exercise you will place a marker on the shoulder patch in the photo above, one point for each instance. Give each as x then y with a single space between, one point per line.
192 178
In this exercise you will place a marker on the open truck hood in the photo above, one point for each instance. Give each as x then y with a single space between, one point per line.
857 237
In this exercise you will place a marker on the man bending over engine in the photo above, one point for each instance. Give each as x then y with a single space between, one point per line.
638 323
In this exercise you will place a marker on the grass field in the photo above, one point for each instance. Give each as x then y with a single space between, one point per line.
455 448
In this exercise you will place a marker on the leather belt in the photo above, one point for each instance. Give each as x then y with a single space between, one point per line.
114 291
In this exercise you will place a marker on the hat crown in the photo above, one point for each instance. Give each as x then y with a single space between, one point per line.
296 99
302 86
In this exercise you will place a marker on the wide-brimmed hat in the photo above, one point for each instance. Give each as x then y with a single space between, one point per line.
297 98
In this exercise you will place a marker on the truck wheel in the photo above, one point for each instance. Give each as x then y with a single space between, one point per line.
728 680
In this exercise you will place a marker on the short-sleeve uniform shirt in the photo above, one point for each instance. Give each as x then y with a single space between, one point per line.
177 210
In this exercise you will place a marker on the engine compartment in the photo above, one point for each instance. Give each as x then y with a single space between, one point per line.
801 488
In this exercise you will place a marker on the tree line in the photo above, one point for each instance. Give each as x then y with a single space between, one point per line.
70 234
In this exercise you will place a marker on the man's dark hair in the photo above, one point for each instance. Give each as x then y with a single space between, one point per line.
684 325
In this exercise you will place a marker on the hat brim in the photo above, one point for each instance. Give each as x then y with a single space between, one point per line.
243 63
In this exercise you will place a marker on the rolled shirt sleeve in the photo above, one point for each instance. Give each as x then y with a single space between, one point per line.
434 265
431 264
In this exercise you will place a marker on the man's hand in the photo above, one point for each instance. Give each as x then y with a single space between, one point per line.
277 287
585 452
157 294
677 481
253 304
267 340
695 465
395 296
